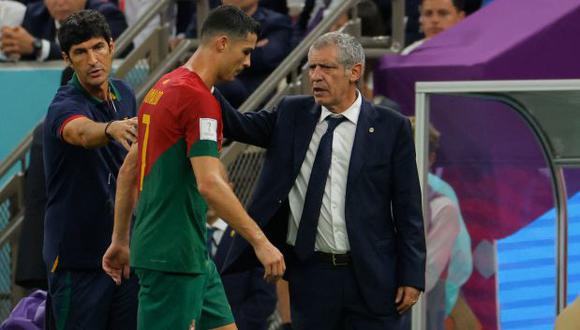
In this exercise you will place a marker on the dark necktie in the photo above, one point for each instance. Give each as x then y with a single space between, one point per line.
304 246
209 240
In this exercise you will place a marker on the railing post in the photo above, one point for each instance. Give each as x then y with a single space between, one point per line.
202 11
561 239
422 112
398 25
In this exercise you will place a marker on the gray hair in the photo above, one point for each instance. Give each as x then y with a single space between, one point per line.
350 51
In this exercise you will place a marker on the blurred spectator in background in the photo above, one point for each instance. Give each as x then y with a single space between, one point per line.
272 48
442 230
280 6
315 10
11 15
412 32
35 39
437 16
251 298
449 257
372 21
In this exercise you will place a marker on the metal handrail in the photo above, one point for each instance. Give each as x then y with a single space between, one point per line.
398 24
171 61
11 228
127 37
18 154
12 190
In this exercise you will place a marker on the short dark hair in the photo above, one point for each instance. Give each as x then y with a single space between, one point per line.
458 4
231 21
82 26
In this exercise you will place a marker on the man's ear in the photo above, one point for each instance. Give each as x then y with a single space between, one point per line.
112 46
66 59
222 43
356 72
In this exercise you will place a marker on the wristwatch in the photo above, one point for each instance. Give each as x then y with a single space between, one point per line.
37 47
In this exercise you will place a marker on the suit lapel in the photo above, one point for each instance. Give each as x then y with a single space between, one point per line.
223 248
304 128
362 142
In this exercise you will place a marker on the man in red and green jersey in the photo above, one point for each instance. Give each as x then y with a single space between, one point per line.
180 128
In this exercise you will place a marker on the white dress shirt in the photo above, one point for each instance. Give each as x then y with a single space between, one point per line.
331 236
45 49
219 227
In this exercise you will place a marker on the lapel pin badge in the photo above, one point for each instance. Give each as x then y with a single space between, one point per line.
371 130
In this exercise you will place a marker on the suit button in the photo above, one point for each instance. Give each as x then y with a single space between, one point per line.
279 201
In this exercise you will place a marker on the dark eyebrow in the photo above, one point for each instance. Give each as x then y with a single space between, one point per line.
322 65
84 50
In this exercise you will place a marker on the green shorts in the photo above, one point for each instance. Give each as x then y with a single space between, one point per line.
176 300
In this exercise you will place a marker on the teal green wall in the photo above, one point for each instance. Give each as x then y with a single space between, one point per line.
25 94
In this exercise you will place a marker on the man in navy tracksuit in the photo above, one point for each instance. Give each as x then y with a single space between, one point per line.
88 127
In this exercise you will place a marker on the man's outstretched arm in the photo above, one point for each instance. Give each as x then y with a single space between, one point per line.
213 186
89 134
116 259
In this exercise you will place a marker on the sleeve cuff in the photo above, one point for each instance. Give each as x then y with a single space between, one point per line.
204 148
66 121
45 51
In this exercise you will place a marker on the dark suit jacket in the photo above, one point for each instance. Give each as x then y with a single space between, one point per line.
252 299
383 200
276 5
38 22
